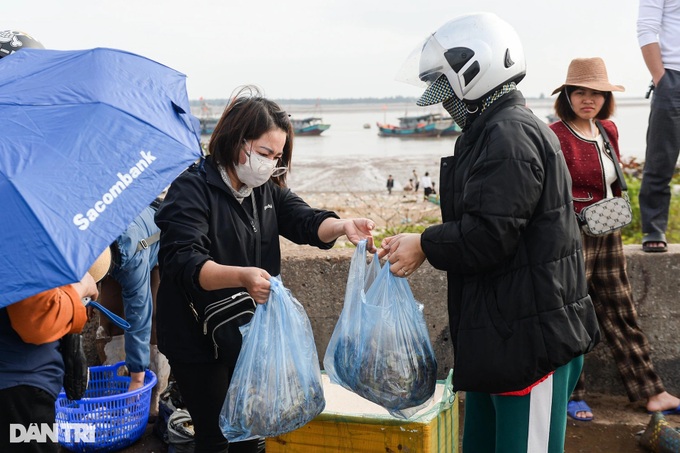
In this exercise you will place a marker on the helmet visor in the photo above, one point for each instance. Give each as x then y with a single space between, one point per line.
410 68
424 68
424 64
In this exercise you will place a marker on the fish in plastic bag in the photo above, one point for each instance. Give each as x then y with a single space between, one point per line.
380 348
361 276
276 386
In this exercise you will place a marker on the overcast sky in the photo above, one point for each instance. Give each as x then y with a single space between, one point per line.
327 48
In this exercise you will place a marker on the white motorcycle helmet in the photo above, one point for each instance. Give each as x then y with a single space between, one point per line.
469 57
12 40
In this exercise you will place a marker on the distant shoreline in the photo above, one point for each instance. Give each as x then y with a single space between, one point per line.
320 106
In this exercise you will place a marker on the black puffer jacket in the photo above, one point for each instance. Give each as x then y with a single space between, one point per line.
518 302
200 220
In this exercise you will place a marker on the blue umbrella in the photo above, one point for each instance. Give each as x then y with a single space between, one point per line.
87 140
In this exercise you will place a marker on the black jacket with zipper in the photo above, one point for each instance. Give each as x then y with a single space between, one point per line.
201 220
509 242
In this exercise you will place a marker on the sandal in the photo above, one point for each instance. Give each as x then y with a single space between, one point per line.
574 407
654 243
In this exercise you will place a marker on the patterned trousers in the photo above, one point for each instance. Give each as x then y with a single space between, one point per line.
610 290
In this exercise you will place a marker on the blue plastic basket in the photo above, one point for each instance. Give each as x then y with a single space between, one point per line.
118 418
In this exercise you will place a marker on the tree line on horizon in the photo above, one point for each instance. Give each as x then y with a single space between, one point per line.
319 101
350 101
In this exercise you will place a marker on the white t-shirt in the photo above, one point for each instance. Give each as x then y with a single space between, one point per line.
659 21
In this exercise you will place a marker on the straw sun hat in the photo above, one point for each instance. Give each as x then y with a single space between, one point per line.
101 266
588 73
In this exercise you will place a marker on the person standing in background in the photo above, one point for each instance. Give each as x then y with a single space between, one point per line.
426 182
584 98
390 184
658 30
518 304
416 180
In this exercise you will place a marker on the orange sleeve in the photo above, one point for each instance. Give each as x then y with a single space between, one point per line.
48 316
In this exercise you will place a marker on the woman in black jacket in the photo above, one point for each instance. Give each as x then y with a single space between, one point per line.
220 225
519 311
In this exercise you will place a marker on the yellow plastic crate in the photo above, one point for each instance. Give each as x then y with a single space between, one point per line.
350 423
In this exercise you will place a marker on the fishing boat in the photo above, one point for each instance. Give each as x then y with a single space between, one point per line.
308 126
452 131
208 125
427 125
206 118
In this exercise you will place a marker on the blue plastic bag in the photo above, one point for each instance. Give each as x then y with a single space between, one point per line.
380 348
339 359
276 387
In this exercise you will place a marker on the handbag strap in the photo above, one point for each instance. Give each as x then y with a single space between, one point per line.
147 242
610 150
255 224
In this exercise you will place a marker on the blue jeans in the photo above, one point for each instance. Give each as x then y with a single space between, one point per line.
663 145
133 272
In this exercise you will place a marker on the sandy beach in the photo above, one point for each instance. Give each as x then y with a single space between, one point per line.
364 174
389 212
355 188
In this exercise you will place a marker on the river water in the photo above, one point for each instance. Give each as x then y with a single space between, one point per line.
351 157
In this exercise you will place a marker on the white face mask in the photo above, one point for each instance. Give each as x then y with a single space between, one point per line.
256 171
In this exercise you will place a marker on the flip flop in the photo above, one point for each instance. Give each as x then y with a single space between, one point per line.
646 247
654 238
574 407
668 411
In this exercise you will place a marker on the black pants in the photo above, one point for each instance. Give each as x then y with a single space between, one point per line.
24 405
661 156
204 387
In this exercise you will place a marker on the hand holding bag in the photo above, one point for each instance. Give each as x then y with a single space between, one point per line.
276 386
610 214
380 348
341 357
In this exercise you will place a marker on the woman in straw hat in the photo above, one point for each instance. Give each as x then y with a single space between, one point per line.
585 97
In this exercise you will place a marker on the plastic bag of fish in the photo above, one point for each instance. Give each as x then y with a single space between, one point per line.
276 386
380 348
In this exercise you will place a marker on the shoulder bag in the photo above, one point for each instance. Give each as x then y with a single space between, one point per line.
222 319
610 214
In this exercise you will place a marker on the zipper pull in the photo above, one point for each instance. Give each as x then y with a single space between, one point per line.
193 310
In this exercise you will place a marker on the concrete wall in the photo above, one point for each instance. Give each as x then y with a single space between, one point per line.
655 278
318 280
